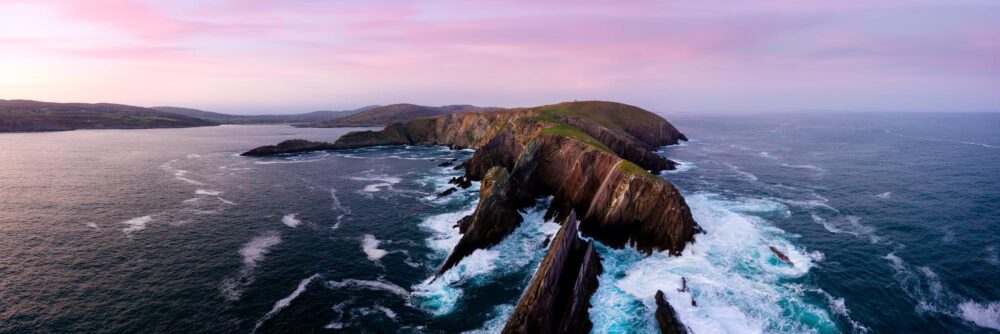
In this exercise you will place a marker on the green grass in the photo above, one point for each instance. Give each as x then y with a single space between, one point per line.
632 168
560 128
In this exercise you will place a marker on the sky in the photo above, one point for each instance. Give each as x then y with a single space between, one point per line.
705 56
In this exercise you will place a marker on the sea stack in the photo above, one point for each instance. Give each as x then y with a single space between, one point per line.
558 298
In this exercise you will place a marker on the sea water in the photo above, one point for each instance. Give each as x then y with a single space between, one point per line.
889 222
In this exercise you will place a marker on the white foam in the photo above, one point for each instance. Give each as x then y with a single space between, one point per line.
746 176
136 224
387 311
730 271
370 285
254 250
252 253
885 195
193 156
92 225
337 207
223 200
495 325
179 174
284 302
290 220
381 182
369 245
682 166
985 315
518 251
208 192
922 285
809 167
848 224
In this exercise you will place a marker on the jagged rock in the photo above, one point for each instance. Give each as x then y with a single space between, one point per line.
558 298
501 151
666 317
461 181
781 256
445 164
447 192
495 217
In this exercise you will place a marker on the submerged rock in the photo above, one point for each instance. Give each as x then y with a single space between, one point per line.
666 317
781 256
447 192
558 298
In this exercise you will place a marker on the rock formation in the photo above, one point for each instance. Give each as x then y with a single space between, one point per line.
558 298
781 256
666 317
592 158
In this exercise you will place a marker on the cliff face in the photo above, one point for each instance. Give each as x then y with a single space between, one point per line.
558 298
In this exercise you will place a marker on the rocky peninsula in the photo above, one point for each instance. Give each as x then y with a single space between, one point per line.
597 162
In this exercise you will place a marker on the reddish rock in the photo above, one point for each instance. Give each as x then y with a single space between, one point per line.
558 298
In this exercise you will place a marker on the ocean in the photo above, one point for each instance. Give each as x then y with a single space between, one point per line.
890 222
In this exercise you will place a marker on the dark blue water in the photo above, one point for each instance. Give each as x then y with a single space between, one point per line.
889 219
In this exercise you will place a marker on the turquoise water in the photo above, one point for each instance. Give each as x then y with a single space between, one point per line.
889 221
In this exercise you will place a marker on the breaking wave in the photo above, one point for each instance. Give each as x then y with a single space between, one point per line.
738 283
985 315
517 252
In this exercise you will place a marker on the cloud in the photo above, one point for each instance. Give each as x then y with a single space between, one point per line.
778 54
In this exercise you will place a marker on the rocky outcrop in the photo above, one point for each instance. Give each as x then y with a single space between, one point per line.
666 317
495 217
592 158
621 204
558 298
288 147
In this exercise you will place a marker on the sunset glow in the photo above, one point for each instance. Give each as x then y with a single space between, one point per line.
671 56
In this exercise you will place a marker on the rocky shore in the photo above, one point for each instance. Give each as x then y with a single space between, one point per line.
597 162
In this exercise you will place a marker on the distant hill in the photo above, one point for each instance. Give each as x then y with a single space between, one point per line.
402 112
315 116
26 115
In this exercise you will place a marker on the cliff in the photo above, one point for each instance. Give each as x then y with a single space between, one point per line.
25 115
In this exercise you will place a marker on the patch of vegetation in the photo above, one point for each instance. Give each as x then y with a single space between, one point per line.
560 128
632 168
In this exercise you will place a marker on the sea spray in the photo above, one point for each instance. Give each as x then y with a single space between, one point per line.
519 251
738 283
